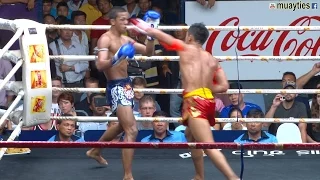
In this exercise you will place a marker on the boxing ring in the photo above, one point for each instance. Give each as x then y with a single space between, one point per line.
50 158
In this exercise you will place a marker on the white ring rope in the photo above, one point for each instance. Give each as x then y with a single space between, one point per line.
211 28
15 133
177 58
179 91
174 120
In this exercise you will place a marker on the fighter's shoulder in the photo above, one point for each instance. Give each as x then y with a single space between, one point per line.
127 39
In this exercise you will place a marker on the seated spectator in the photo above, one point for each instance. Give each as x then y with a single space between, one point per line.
254 132
51 34
66 129
66 104
235 113
237 101
132 8
46 7
80 36
313 129
74 5
84 103
161 132
97 109
287 108
146 108
61 10
140 83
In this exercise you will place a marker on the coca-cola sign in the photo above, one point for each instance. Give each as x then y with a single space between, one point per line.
258 43
261 40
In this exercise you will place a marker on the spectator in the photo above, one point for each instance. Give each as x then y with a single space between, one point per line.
66 129
313 129
46 7
61 10
147 107
66 104
75 5
97 109
51 34
104 7
55 110
92 12
237 101
167 17
132 8
84 103
291 77
254 132
144 6
79 36
235 113
140 83
161 132
287 108
72 72
210 3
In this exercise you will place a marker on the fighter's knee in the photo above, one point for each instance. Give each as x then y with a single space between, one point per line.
132 131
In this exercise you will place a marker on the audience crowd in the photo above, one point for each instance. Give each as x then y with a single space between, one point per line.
150 74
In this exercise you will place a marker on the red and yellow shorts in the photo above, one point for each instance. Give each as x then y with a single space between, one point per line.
198 104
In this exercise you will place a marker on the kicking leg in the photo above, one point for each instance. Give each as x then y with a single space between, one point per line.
111 133
197 157
128 123
201 131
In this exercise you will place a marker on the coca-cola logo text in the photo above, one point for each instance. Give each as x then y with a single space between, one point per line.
261 40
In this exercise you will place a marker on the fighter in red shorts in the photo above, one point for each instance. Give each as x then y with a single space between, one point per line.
197 70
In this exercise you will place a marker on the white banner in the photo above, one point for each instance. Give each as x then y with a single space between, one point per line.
259 153
260 43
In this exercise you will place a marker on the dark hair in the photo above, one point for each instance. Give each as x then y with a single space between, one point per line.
315 107
56 78
62 20
255 113
98 1
199 32
234 108
290 73
46 1
77 13
94 95
47 15
62 4
66 96
139 81
113 13
91 80
160 113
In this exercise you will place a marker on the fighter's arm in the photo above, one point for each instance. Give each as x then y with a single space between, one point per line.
220 81
166 40
103 61
145 50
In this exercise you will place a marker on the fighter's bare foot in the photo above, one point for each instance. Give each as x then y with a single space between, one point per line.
197 178
128 178
97 157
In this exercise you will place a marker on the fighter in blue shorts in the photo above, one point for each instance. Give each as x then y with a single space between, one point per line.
113 48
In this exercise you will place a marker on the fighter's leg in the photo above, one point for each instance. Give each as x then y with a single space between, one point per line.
108 135
128 123
200 129
197 157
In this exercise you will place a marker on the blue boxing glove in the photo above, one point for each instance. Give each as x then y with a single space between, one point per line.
126 51
153 19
